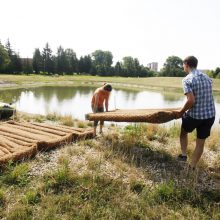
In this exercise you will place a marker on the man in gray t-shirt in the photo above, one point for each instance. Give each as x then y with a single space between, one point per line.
199 110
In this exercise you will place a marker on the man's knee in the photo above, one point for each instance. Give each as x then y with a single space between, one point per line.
183 133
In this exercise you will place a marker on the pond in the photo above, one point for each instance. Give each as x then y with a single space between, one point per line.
76 101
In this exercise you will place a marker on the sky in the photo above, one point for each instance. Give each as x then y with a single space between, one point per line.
150 30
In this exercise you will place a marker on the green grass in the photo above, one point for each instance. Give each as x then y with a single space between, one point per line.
17 175
164 83
2 198
32 197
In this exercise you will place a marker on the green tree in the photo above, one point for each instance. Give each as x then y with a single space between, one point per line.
216 73
61 61
48 59
4 58
128 66
102 61
15 65
81 65
37 61
173 67
88 64
85 65
71 61
118 69
27 66
210 73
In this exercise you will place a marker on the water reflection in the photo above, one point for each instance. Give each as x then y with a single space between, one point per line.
9 96
75 101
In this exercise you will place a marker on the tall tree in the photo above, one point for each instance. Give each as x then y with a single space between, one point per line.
61 61
37 61
88 64
8 48
4 58
118 69
71 61
27 66
85 65
102 61
48 61
15 65
173 67
128 66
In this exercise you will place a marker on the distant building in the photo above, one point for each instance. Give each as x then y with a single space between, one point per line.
153 66
26 61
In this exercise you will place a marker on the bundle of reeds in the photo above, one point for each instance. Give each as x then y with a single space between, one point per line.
15 150
19 140
156 116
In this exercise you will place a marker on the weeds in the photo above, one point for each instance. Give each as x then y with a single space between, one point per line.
81 124
59 180
53 117
20 212
67 120
32 197
17 175
2 198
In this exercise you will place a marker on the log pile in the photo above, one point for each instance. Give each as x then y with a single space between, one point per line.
22 140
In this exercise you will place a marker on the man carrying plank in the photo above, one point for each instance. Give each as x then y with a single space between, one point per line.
199 110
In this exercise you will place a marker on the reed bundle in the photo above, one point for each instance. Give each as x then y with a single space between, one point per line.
156 116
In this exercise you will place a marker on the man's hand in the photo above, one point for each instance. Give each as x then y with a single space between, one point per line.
178 113
189 103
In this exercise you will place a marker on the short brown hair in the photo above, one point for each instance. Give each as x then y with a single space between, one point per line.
107 87
191 61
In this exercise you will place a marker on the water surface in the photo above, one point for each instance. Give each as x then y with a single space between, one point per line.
75 101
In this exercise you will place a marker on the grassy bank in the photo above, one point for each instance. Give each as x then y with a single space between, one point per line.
158 83
127 173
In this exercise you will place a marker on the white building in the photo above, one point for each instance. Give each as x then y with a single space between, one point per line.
153 66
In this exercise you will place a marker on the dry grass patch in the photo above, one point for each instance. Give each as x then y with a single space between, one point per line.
67 120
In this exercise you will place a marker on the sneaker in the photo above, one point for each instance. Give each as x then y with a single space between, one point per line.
182 158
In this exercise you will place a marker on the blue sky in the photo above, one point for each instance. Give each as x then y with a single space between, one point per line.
150 30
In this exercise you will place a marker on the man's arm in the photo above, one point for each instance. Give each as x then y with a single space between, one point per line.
106 103
95 102
189 104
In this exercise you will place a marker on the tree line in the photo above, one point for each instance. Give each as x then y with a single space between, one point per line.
100 63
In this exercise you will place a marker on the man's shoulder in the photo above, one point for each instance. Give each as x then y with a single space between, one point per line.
187 78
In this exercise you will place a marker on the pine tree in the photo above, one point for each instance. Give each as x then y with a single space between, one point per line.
37 61
48 61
